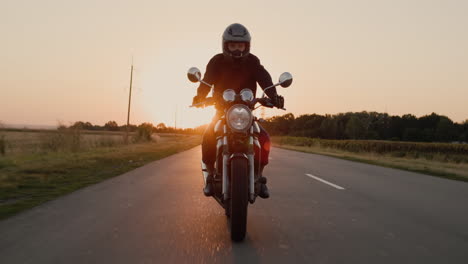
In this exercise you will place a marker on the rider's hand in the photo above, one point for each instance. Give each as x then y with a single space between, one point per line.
278 101
197 99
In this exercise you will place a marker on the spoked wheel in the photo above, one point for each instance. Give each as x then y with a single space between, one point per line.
239 198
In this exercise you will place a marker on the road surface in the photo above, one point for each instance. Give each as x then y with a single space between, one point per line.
321 210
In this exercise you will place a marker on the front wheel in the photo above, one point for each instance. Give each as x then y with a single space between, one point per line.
239 198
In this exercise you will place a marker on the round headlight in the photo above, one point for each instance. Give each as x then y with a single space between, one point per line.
247 95
229 95
239 118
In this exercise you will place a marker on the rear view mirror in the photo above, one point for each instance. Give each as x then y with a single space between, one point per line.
194 74
285 79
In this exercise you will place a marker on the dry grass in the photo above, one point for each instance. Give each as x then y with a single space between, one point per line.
17 142
437 164
31 178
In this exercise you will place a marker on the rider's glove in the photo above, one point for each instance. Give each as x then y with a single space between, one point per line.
278 101
197 99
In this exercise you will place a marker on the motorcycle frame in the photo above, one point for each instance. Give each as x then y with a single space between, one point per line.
226 152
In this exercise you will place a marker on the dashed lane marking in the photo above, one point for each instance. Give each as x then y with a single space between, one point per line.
324 181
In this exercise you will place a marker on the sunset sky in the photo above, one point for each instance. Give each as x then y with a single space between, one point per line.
66 60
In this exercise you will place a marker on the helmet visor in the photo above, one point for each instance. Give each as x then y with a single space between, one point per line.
233 46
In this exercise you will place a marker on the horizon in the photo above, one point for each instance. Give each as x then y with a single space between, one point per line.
66 62
39 126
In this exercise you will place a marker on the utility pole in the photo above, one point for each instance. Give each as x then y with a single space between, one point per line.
129 101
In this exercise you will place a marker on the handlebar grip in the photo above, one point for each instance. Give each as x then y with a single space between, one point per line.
267 103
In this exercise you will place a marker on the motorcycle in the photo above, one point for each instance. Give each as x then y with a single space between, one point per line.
236 182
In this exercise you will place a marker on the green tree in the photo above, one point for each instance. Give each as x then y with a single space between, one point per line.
412 134
355 128
445 130
161 127
111 126
280 125
144 132
329 128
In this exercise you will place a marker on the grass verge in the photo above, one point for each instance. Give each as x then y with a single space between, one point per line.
449 170
28 180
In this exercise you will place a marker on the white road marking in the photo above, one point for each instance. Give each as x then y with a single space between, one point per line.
324 181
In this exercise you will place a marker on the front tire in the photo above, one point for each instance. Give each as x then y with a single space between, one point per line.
239 198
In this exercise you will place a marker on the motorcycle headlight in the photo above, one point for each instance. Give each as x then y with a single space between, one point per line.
229 95
239 118
246 95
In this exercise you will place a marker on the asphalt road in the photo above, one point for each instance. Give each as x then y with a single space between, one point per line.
321 210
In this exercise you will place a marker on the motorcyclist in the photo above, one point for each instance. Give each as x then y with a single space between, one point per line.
236 68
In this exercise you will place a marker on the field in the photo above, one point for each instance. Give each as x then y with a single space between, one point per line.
438 159
38 166
30 141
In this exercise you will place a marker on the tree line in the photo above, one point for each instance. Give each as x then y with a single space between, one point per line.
159 128
369 125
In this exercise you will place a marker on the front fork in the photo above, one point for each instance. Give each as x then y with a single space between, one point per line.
225 165
226 161
251 167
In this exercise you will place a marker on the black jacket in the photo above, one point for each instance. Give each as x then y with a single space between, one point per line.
227 74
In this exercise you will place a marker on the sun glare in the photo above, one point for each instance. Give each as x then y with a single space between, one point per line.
193 117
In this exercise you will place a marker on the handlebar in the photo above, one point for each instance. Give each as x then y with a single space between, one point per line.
265 101
208 101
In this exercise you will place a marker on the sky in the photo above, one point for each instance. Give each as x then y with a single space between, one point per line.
65 61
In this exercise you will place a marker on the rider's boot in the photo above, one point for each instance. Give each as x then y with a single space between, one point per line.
208 190
263 192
